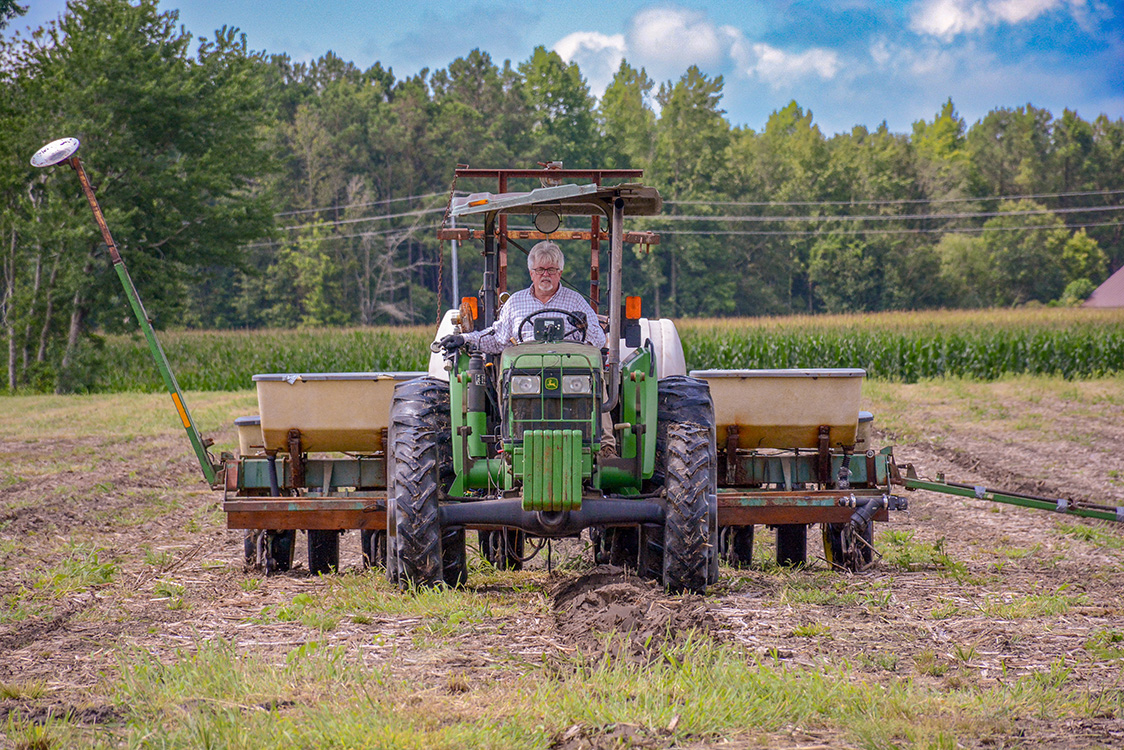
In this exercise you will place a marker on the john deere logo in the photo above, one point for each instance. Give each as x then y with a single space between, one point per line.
552 384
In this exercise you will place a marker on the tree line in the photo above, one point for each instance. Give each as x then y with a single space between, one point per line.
249 190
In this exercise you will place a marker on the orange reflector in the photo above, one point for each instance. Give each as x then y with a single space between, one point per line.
480 202
470 304
632 308
182 411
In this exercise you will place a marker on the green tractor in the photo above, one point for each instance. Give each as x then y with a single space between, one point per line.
511 444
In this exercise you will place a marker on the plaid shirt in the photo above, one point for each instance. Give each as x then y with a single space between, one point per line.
501 334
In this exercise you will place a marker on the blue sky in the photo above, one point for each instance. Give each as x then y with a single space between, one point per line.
848 61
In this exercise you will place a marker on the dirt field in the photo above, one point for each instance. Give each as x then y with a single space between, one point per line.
111 546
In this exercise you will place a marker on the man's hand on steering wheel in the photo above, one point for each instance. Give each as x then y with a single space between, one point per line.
577 320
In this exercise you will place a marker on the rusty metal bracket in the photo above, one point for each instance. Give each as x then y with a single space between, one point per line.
824 463
296 458
732 455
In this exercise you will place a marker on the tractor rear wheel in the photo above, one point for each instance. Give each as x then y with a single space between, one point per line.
688 522
419 438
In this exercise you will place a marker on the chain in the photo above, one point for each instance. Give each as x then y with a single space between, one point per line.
441 248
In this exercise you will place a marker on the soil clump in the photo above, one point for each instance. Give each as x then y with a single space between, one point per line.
645 619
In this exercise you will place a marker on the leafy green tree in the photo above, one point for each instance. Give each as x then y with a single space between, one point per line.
691 141
9 9
940 148
1072 149
967 270
478 118
627 122
1010 151
1082 258
1027 253
563 127
1107 167
171 140
844 275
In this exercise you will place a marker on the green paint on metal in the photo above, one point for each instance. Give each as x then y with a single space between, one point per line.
733 498
484 473
551 477
574 473
1057 506
198 445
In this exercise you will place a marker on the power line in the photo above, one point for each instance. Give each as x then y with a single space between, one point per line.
893 202
892 217
811 232
337 207
333 237
380 217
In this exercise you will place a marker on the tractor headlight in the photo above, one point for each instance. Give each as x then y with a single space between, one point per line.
577 385
526 385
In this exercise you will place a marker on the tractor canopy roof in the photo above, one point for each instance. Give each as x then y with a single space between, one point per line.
565 200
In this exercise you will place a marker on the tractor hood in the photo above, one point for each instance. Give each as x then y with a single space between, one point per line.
566 200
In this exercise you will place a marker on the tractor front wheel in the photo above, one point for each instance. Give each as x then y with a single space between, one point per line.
688 522
419 438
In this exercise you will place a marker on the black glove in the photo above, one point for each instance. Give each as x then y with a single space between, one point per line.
452 342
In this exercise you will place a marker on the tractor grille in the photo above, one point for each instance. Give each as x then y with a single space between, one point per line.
551 413
552 470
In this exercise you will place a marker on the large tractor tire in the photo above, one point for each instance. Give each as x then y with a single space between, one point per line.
420 469
685 557
687 527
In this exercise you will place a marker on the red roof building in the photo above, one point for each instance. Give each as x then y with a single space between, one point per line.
1110 293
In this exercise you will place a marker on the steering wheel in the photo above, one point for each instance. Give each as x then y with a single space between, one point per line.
578 320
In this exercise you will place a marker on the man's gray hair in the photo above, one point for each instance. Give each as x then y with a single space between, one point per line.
548 251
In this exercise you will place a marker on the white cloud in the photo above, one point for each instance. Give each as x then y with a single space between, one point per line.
666 40
946 19
598 55
677 38
1017 11
779 68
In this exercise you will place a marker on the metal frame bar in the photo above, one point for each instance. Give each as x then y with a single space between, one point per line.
1061 505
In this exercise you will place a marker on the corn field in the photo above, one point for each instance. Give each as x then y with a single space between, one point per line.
908 347
982 345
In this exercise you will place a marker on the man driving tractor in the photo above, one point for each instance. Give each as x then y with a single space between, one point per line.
545 262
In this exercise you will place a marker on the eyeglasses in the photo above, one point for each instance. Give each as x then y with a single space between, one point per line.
546 271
